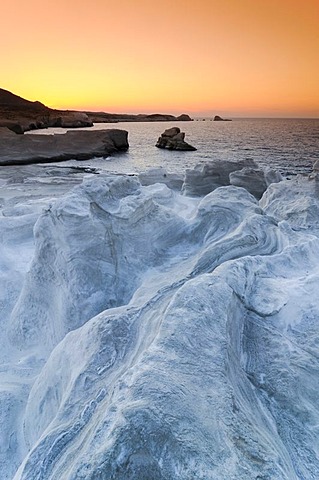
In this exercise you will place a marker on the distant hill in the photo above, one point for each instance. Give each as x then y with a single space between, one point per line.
21 115
8 99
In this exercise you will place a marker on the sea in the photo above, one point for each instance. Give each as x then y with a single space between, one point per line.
290 146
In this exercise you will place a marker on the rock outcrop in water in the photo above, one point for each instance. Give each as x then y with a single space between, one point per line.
158 336
78 145
173 139
217 118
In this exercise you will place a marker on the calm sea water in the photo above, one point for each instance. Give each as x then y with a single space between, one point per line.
289 145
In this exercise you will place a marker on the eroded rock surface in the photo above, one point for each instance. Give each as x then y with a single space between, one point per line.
208 176
159 336
255 180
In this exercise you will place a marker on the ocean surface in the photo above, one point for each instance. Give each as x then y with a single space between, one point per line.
288 145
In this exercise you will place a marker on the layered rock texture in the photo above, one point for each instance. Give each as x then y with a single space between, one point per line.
79 145
173 139
149 335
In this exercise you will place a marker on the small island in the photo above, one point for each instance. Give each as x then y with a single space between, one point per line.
174 139
217 118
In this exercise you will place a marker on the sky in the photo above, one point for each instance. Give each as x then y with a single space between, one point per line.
253 58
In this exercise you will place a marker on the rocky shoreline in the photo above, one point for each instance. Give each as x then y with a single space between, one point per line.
78 145
21 115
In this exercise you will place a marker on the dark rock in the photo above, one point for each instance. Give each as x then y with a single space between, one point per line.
11 100
13 126
103 117
184 118
171 132
79 145
173 139
21 115
217 118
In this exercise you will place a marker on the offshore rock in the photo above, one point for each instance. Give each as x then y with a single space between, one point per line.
79 145
173 139
217 118
184 118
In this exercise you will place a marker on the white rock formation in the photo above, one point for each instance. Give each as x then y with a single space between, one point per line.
179 337
206 177
255 180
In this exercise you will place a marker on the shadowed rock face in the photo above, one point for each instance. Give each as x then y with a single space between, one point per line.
254 180
101 117
21 115
79 145
173 139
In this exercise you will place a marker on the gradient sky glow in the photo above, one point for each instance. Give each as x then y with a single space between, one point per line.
231 57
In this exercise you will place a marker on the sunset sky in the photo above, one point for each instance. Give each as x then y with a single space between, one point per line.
230 57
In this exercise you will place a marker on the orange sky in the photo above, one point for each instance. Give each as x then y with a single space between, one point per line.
232 57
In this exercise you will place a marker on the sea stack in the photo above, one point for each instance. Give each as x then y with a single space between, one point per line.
173 139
